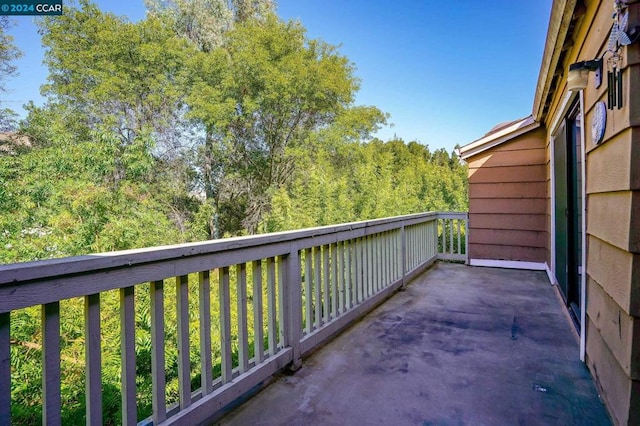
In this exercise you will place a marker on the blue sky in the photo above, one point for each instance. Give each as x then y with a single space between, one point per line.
446 71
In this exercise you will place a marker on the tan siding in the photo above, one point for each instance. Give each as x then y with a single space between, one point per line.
610 217
634 225
634 87
501 252
531 222
614 270
507 206
507 200
525 157
620 331
508 190
508 238
507 174
610 170
621 394
530 140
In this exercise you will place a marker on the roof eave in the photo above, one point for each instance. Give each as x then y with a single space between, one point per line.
520 128
559 23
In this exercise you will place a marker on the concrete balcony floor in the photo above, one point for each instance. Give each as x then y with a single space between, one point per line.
461 346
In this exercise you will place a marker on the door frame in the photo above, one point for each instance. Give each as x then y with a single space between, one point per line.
560 115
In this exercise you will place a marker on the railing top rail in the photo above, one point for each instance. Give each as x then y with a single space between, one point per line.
43 269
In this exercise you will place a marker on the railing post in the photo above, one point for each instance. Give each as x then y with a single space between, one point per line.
51 402
436 237
403 248
292 304
5 369
128 355
93 359
466 238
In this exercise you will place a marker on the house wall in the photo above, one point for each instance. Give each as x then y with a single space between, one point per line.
507 201
613 216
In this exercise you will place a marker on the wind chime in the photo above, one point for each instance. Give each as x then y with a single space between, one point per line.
617 40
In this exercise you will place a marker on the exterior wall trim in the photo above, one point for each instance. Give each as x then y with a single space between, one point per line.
509 264
562 111
550 274
516 264
583 231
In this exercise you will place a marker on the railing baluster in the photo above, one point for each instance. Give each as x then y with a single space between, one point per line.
444 235
466 238
317 285
383 261
281 298
374 264
308 291
158 383
5 368
182 316
418 252
258 331
128 355
459 251
369 247
334 281
93 359
380 260
364 268
358 248
243 342
418 257
341 270
51 404
423 243
429 240
326 293
347 275
206 365
225 324
271 305
450 221
435 236
396 258
386 256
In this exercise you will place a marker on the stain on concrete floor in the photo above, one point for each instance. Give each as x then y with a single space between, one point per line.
461 346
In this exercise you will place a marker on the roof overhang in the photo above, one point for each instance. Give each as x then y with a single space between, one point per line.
501 136
559 24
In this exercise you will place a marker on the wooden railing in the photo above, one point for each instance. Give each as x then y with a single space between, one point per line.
293 291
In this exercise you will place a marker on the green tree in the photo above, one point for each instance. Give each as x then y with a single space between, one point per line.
8 54
115 77
264 93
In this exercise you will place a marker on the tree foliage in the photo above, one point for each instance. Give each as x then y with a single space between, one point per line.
8 54
272 88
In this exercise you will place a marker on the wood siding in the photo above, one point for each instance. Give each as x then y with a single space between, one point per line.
613 213
507 201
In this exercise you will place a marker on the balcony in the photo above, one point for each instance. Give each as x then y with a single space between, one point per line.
460 344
